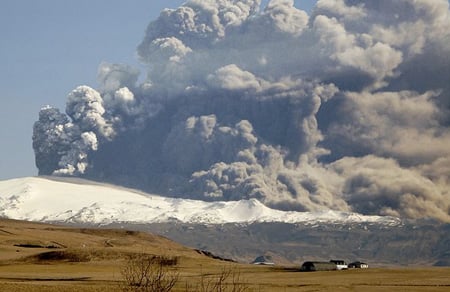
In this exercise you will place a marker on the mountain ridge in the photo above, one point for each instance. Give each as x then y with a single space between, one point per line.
81 201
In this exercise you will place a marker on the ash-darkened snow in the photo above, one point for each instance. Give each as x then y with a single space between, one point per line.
346 109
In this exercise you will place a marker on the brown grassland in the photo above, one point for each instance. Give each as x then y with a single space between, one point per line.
42 257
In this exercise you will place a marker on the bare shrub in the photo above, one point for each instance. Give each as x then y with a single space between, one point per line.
228 280
144 272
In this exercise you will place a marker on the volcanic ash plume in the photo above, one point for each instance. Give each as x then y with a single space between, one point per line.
347 108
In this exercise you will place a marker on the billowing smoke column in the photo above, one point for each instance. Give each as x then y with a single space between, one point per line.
347 108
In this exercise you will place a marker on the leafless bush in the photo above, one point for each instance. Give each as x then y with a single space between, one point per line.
228 280
145 272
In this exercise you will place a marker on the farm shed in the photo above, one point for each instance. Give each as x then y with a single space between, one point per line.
318 266
263 260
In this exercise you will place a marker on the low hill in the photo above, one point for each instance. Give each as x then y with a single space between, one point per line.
22 241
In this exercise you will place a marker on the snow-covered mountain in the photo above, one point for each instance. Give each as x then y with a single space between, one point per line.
75 200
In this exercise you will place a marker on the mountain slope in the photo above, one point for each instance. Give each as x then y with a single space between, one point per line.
22 241
79 201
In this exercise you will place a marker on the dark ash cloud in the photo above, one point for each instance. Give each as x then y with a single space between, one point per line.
347 108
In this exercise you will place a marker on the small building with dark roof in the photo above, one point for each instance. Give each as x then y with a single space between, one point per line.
263 260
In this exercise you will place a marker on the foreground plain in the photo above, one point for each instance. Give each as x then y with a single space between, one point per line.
42 257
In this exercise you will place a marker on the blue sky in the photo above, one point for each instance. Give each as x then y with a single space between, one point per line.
51 46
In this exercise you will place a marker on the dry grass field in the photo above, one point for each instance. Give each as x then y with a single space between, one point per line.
40 257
